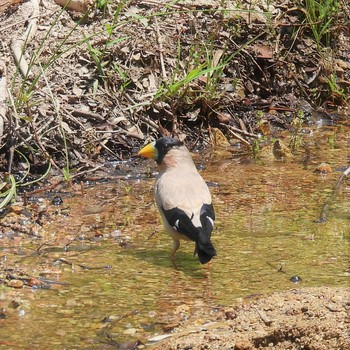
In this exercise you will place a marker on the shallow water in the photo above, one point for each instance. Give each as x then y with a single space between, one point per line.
265 234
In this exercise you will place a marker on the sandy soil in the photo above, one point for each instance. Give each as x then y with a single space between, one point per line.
313 319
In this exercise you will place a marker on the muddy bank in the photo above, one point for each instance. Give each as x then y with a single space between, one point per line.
310 318
130 70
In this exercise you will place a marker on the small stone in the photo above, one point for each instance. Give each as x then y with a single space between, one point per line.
16 209
15 304
152 314
230 314
116 234
323 168
130 331
243 345
184 308
2 314
15 284
57 200
37 283
111 318
304 309
295 279
21 313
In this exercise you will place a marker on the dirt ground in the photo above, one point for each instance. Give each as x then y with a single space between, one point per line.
313 319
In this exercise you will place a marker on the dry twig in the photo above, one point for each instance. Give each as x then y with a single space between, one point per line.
160 43
233 133
17 44
3 97
323 215
264 317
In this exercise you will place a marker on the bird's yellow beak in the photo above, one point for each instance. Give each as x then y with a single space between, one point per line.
149 151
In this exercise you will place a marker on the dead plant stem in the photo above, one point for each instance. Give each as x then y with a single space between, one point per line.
237 136
323 215
160 44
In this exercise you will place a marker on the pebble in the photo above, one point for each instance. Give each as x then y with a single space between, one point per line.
323 168
15 284
243 345
295 279
57 200
15 304
130 331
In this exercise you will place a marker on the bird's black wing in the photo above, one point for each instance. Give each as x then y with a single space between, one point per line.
181 223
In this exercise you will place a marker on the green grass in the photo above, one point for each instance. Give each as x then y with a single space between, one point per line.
322 16
8 190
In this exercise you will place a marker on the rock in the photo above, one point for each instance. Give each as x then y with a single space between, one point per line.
323 168
243 345
219 138
281 151
130 331
15 284
15 304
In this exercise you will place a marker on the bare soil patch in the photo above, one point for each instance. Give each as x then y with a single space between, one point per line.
313 319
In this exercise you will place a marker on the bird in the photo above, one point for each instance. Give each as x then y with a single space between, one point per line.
182 197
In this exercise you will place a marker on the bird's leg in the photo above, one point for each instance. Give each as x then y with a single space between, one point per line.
207 269
176 245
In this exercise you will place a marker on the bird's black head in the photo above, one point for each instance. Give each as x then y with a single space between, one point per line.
163 145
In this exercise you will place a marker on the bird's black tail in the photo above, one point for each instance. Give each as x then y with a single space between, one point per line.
204 248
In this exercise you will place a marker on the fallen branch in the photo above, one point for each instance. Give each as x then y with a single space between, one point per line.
193 330
5 4
3 97
323 215
18 44
160 48
234 134
264 317
81 6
